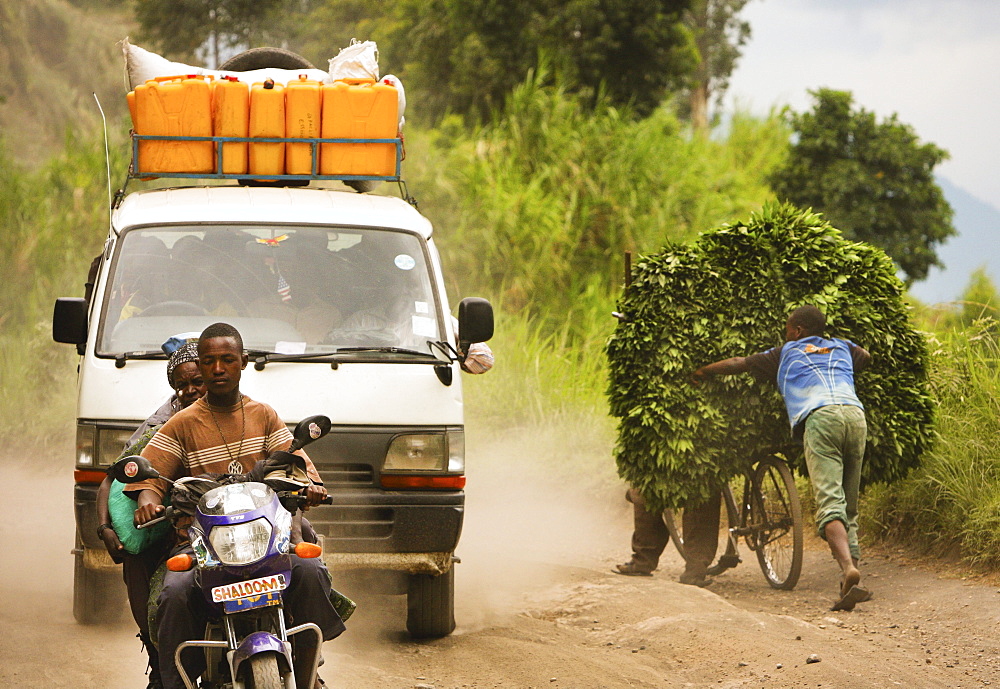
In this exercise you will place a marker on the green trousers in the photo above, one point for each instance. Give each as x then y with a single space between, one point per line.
834 441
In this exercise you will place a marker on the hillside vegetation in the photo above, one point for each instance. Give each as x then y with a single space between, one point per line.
54 55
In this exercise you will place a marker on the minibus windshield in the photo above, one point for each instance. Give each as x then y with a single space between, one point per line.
287 289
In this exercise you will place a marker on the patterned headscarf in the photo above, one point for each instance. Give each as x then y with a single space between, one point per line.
182 355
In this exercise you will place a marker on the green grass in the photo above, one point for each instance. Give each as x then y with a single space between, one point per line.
950 503
54 55
544 398
539 206
55 220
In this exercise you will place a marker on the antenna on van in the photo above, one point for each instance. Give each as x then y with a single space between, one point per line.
107 157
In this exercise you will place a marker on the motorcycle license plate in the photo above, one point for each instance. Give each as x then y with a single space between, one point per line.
254 593
252 603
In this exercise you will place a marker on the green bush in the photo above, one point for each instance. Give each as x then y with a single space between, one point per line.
729 294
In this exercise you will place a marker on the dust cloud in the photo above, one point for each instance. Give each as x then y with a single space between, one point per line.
41 644
536 503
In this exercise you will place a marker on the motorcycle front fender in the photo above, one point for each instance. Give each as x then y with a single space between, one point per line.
256 643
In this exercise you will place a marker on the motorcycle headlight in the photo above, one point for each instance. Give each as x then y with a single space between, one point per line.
241 544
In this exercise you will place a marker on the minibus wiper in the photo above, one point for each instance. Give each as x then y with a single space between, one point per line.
262 358
388 350
121 358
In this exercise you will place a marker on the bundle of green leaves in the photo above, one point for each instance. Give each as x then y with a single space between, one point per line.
729 294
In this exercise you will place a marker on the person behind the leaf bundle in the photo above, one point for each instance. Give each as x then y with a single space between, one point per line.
815 376
224 432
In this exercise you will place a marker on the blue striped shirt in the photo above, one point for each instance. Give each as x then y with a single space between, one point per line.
811 373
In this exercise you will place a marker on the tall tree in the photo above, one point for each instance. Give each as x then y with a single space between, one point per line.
466 57
635 50
184 28
719 35
873 180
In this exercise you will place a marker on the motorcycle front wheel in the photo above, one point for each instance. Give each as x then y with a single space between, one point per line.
264 672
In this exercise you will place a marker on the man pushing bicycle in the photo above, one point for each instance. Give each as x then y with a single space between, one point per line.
815 376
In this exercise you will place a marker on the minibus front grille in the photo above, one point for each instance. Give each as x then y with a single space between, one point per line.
354 522
344 475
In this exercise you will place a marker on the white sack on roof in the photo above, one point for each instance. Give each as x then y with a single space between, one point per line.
356 61
142 65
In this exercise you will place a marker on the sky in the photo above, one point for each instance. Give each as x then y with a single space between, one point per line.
935 63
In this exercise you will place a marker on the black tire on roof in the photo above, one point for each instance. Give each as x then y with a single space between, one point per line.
262 58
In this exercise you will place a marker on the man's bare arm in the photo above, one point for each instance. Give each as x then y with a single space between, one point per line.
150 506
726 367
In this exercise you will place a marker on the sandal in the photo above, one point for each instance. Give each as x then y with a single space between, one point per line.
630 569
854 595
695 580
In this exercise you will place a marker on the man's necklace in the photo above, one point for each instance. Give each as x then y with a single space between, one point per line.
243 432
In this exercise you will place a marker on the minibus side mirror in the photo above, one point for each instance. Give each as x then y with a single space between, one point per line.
475 320
69 321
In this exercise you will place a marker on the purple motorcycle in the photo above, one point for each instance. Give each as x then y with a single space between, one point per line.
241 536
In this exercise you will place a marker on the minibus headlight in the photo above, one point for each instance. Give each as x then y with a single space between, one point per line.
86 439
417 452
100 447
110 443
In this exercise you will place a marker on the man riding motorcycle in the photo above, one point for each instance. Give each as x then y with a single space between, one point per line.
225 432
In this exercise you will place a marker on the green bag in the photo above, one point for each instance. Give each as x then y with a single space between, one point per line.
344 606
122 509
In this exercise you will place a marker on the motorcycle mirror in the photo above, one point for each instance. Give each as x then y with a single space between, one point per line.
133 469
309 429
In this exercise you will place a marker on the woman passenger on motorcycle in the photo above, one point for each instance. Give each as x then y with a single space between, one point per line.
186 380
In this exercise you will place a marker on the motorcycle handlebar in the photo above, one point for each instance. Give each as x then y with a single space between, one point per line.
299 500
167 514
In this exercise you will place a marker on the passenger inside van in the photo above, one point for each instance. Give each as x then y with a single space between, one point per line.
143 280
294 283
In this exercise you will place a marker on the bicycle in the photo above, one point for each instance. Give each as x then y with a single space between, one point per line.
769 520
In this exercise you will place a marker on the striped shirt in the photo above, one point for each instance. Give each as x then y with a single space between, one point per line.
206 439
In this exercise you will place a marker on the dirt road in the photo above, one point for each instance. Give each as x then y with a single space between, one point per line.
539 607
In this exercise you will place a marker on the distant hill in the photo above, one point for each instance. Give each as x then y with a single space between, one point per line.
54 54
976 245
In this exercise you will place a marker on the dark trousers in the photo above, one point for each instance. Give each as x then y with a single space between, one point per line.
700 528
183 613
137 570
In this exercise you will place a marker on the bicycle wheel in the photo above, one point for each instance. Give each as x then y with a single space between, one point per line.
674 519
776 523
